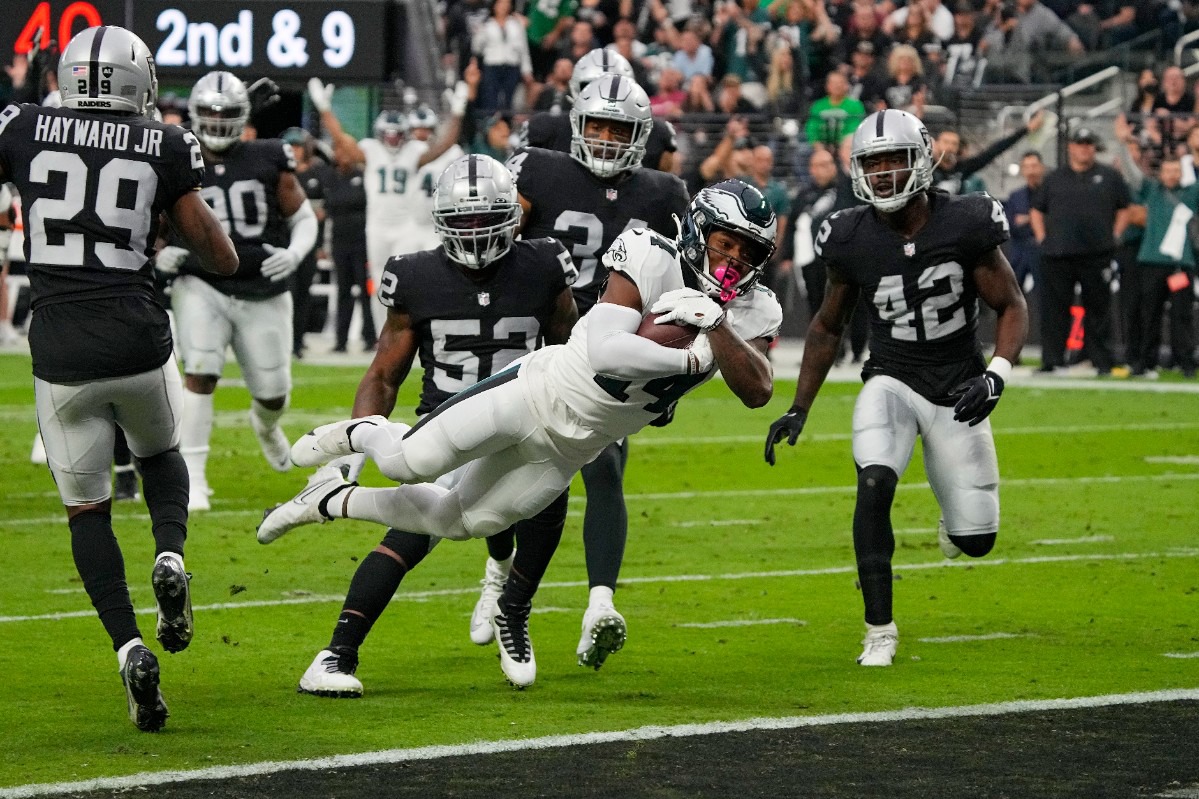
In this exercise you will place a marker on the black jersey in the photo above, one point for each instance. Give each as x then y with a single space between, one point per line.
242 190
471 326
92 187
586 213
551 131
921 293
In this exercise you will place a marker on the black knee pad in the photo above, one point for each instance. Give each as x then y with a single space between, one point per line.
877 483
974 545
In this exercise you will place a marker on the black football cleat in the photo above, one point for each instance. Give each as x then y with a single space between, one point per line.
126 489
174 599
147 710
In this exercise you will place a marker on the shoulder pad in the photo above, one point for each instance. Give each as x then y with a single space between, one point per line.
637 249
551 251
838 227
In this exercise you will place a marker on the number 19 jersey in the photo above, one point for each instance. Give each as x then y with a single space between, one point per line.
92 189
392 190
920 291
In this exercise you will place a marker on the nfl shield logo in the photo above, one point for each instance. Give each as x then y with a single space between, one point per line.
909 249
484 298
612 195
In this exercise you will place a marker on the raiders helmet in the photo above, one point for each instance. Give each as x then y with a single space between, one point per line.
892 131
108 69
599 61
616 98
475 210
739 208
220 107
390 128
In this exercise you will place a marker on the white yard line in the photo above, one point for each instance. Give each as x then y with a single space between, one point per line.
709 625
1174 460
421 596
1181 655
958 639
484 748
1086 539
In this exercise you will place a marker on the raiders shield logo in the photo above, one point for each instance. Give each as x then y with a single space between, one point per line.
106 71
909 249
484 298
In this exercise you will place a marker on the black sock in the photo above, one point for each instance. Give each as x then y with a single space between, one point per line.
606 521
874 540
374 584
537 540
99 562
165 485
501 545
121 456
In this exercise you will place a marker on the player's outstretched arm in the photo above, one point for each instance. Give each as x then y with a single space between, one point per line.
321 95
464 92
615 349
743 364
195 222
398 345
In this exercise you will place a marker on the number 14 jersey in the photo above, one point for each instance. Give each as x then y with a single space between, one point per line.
920 291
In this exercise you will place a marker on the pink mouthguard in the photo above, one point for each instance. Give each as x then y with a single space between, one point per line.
728 277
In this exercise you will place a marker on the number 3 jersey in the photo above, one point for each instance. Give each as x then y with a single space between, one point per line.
577 403
243 191
921 293
470 329
92 187
586 214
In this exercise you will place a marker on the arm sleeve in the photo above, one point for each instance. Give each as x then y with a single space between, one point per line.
615 349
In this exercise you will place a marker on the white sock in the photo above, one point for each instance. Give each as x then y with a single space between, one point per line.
123 652
128 467
601 596
195 432
265 416
418 508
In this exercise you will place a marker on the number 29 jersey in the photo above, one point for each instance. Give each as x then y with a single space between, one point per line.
92 189
586 214
470 329
243 191
920 291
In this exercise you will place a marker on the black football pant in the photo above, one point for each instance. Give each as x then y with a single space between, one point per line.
1145 302
301 300
350 261
1059 276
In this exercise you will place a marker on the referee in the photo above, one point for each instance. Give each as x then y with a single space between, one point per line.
1077 217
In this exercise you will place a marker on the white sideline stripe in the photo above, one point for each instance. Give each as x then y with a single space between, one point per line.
741 623
1027 482
1086 539
957 639
1191 792
649 733
422 596
718 523
1181 655
1181 460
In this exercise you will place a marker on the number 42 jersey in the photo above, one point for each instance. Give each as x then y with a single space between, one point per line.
93 186
920 291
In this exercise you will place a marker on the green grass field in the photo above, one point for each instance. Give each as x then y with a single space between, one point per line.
1095 580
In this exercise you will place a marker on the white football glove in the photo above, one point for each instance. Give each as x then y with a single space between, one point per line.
457 99
169 259
700 355
321 94
690 307
280 264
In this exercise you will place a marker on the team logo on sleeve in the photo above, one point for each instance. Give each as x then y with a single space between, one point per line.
617 252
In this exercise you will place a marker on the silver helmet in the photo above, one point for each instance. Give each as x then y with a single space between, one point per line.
108 69
739 208
422 117
390 128
615 98
599 61
220 107
475 210
891 131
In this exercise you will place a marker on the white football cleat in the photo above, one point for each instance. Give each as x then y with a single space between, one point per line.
305 507
511 631
604 632
494 577
880 644
332 675
329 441
197 497
273 443
948 548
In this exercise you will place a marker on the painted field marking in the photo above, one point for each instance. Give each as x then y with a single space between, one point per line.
1181 655
1181 460
1025 482
707 625
1086 539
422 596
958 639
650 733
1190 792
719 523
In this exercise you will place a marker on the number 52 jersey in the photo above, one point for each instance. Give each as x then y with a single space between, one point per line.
92 187
920 291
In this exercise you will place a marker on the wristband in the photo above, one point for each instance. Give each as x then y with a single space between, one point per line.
1002 367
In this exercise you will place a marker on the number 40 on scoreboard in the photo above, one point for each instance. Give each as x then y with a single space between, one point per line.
73 18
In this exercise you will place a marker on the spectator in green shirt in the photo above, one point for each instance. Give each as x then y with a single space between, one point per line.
836 115
548 21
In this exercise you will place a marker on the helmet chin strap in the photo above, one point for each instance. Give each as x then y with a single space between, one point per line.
728 278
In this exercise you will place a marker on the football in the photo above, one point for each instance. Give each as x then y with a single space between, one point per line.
671 335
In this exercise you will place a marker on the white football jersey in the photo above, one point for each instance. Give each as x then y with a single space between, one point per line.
392 190
575 401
